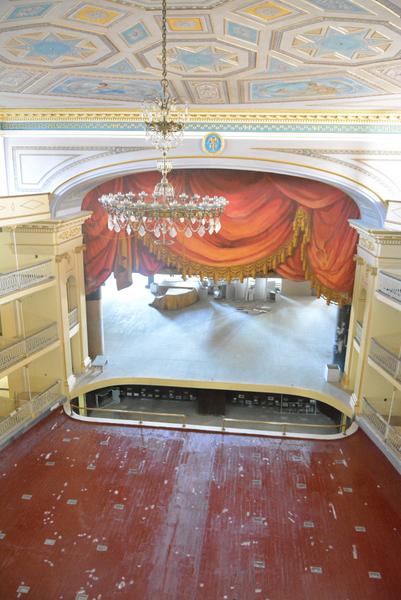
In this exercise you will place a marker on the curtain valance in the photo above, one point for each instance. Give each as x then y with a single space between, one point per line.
294 226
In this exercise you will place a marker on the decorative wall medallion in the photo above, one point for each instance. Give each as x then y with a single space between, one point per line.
212 143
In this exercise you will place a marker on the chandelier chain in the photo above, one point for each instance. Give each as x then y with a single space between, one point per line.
164 215
164 81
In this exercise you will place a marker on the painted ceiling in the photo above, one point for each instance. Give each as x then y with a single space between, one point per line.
256 53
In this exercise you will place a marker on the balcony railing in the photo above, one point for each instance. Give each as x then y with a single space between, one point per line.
390 285
358 331
21 349
383 357
16 418
73 318
25 278
30 407
388 434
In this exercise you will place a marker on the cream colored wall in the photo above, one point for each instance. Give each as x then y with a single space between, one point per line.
378 250
33 308
377 390
39 309
46 370
386 321
7 256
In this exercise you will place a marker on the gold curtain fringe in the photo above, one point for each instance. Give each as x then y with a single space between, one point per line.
301 233
263 266
322 291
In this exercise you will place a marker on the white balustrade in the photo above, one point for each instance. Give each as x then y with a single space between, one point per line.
12 354
29 409
358 331
385 359
41 339
25 278
73 318
46 398
22 414
17 351
390 285
388 434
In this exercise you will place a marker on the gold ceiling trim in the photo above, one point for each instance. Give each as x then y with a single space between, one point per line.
205 115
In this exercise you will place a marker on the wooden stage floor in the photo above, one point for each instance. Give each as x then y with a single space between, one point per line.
89 511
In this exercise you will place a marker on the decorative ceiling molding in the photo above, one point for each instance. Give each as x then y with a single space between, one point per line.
48 171
205 115
68 52
223 121
331 155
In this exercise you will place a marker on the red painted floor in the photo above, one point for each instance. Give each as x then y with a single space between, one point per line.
104 512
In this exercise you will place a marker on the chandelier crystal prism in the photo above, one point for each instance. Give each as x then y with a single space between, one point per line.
164 214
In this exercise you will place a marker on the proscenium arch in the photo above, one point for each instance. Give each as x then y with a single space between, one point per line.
371 205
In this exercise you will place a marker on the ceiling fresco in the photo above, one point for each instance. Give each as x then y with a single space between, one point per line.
220 52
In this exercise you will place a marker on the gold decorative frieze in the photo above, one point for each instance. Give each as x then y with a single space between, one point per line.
205 115
367 244
70 233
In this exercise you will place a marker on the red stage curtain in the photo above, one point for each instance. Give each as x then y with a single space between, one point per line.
296 226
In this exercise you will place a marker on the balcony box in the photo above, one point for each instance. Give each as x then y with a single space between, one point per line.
332 373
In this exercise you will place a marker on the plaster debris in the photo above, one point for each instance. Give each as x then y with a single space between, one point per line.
48 562
332 510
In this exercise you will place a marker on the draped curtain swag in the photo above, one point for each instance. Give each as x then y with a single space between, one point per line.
293 226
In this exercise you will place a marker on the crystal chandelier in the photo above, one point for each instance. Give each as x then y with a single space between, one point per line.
164 214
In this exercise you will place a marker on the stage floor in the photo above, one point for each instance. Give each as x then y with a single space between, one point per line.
98 512
213 341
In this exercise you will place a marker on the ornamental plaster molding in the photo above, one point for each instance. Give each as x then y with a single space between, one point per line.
69 234
330 155
68 164
206 115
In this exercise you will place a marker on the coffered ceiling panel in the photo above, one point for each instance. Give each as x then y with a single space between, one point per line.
220 52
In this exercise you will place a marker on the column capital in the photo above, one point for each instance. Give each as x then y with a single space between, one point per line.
61 257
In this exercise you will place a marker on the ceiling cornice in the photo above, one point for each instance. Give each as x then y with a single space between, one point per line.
202 115
245 121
